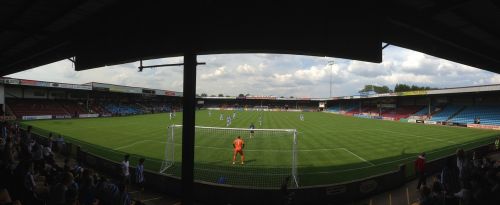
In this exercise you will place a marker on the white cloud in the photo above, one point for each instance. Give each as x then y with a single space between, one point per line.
217 73
280 75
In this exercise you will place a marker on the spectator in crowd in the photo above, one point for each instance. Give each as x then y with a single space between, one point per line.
29 179
139 174
6 199
66 167
449 177
60 143
462 164
425 196
37 156
58 192
125 198
87 188
437 193
420 170
50 140
464 195
476 160
497 144
125 170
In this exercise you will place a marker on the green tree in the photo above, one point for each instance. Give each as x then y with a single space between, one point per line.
204 95
241 95
376 89
221 95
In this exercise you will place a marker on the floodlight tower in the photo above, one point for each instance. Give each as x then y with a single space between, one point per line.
330 63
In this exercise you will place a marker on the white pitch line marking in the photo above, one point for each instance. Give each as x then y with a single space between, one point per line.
361 158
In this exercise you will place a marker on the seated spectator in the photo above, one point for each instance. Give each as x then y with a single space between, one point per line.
87 188
464 195
6 199
57 195
425 196
437 193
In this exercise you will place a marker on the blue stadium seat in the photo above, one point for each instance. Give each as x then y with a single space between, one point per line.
488 115
446 113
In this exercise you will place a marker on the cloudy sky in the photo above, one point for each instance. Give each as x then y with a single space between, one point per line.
278 75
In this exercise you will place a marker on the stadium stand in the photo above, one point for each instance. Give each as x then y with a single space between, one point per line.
29 107
422 113
488 115
400 112
122 109
337 108
445 113
73 108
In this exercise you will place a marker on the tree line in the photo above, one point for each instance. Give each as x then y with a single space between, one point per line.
397 88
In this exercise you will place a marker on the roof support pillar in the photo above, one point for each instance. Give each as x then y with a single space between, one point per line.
188 123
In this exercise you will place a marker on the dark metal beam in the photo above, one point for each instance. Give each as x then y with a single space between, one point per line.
141 67
385 46
188 123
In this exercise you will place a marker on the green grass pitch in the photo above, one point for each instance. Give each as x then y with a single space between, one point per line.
331 148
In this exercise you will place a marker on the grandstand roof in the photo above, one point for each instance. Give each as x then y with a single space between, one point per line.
470 89
108 32
90 86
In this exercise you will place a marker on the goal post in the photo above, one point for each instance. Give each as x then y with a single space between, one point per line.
270 156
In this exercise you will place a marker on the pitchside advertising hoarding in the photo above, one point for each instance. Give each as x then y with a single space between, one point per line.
491 127
46 84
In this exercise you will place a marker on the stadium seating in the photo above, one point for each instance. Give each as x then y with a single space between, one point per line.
334 108
122 109
30 107
446 113
400 112
74 108
423 111
337 108
488 115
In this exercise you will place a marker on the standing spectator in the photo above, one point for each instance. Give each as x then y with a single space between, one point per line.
125 198
497 144
462 164
60 144
420 170
87 188
49 141
425 196
58 193
476 160
29 179
139 174
125 170
37 156
449 177
464 195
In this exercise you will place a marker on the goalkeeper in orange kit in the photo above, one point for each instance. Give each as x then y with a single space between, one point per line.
238 145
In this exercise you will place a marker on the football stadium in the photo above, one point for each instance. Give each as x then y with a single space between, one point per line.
64 141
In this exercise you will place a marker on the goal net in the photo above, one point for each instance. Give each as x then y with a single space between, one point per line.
270 156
